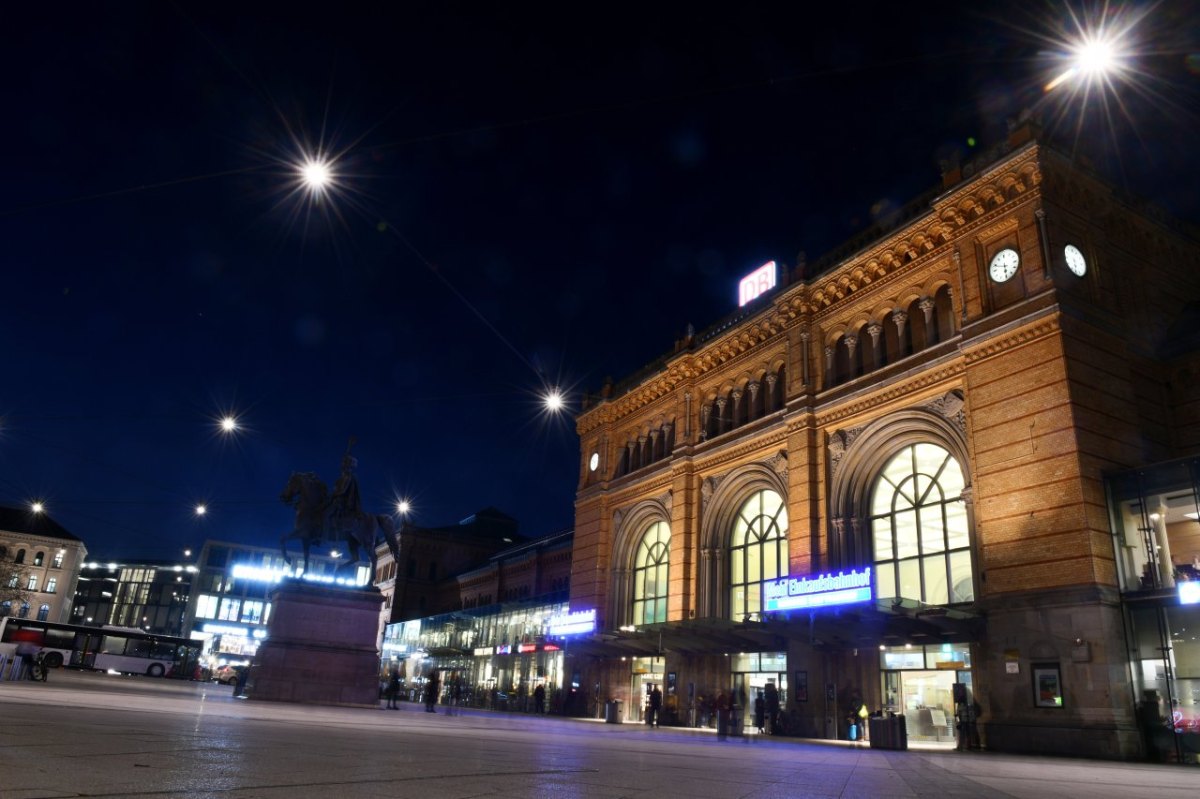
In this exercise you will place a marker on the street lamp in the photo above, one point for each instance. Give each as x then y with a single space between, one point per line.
554 400
229 424
37 507
201 509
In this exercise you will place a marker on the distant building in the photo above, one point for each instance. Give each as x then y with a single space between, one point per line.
425 581
150 595
884 481
39 562
229 606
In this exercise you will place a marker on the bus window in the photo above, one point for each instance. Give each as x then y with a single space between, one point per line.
114 645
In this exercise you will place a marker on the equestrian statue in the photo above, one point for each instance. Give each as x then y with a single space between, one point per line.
335 519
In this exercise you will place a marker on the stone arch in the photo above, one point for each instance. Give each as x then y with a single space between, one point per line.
630 528
719 510
858 463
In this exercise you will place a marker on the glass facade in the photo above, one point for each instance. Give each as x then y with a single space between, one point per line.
498 655
1155 518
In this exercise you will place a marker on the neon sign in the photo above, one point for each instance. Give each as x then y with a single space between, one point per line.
242 571
581 621
757 283
1189 592
788 593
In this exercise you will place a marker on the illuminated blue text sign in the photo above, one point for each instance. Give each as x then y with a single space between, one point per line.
823 590
581 621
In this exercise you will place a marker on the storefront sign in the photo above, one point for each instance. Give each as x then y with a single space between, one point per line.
757 283
788 593
1189 592
579 622
259 574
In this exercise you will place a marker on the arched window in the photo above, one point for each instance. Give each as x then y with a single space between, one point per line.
6 608
20 558
919 528
39 558
650 572
43 613
24 611
758 551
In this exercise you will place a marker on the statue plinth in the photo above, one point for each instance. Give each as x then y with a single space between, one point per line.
321 646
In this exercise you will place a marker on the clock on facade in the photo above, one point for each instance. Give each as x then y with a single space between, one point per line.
1075 260
1004 264
594 462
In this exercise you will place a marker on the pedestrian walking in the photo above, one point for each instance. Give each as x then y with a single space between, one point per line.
760 711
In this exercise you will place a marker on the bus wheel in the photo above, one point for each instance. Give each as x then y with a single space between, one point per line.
155 670
53 660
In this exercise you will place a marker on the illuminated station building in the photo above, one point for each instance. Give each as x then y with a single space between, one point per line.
955 451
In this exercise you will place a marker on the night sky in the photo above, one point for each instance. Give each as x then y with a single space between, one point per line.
527 196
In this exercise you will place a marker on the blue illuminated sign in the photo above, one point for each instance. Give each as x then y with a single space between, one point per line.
823 590
1189 592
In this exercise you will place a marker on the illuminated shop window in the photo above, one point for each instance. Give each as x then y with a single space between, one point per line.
229 609
252 612
758 551
206 606
650 572
919 528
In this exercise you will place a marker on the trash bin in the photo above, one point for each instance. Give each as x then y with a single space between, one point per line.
888 732
612 711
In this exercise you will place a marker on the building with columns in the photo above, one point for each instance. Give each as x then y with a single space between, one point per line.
900 478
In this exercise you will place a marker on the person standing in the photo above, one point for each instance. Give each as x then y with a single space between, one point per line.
393 689
724 709
431 693
655 707
539 699
771 698
760 710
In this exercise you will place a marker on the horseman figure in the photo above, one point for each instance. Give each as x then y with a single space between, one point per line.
335 519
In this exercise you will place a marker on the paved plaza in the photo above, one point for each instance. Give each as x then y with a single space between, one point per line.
97 735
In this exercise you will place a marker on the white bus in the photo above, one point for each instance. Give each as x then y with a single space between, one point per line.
116 649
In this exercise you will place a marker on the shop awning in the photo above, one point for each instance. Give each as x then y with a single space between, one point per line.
885 622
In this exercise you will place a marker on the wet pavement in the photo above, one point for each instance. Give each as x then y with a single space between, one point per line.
98 735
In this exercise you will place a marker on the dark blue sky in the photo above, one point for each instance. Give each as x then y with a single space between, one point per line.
532 195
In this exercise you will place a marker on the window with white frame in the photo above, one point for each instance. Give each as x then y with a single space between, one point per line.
758 551
51 585
206 606
919 528
651 568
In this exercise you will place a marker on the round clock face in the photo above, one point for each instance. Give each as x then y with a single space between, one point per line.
1075 260
594 462
1004 265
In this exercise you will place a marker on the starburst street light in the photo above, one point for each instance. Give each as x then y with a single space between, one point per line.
37 507
316 175
403 506
201 509
229 424
554 401
1094 57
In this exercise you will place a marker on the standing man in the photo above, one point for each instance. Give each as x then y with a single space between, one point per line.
771 697
539 699
652 718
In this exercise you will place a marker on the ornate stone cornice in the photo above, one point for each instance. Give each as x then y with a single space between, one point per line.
949 371
975 207
1015 338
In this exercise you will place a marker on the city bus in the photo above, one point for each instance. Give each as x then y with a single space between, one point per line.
117 649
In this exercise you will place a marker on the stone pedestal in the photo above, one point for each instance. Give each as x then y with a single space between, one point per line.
321 646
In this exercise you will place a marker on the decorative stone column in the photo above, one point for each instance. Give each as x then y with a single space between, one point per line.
829 376
753 388
705 414
769 400
722 420
927 305
900 318
851 364
736 414
874 329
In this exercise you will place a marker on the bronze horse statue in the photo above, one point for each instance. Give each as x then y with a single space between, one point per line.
319 522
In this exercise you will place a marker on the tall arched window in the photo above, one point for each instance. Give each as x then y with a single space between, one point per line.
650 572
43 613
758 551
919 528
